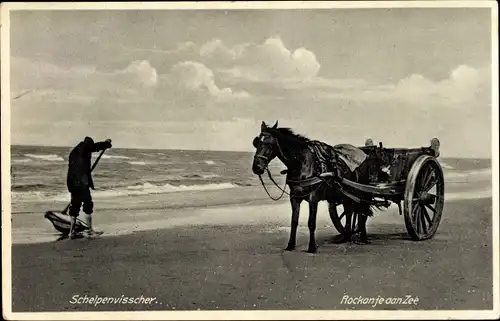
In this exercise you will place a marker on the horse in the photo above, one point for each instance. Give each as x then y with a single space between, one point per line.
303 178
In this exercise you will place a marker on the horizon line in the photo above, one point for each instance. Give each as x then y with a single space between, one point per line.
140 148
211 150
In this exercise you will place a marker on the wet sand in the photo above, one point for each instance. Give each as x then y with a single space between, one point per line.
234 259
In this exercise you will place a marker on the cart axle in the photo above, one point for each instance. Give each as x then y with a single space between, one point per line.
426 198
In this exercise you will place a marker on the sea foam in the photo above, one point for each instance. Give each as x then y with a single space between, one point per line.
115 157
46 157
133 190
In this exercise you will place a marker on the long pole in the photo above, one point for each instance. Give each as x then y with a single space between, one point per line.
93 166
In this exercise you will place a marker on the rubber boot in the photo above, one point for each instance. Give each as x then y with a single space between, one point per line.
90 231
72 233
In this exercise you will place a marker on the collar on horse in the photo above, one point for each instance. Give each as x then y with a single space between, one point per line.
317 149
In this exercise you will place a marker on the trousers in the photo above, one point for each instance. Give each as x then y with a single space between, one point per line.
79 197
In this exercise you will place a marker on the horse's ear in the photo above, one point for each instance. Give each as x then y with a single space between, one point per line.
263 126
275 125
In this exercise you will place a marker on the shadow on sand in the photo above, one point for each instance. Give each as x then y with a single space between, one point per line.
338 239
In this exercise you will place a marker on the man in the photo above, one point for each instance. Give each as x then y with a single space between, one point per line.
79 180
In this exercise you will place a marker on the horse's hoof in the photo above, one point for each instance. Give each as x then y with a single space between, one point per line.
311 250
290 248
362 242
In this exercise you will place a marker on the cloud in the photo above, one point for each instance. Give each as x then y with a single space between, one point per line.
267 61
295 73
82 84
465 87
226 87
217 52
142 72
138 82
272 61
197 77
270 69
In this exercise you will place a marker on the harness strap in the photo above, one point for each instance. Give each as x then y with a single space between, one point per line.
305 182
315 181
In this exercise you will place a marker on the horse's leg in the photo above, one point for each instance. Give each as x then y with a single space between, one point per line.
311 223
295 222
362 218
364 211
348 210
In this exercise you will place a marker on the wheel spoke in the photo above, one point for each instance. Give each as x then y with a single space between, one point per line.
424 227
426 215
431 208
430 186
341 216
426 179
436 197
353 228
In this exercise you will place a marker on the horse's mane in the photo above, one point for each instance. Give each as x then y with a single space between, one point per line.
289 133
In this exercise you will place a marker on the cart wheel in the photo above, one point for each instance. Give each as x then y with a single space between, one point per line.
424 198
339 221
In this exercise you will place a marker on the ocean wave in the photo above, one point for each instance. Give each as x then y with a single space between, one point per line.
141 163
149 189
468 176
22 161
485 193
246 184
115 157
445 166
133 190
204 176
209 162
29 196
27 187
46 157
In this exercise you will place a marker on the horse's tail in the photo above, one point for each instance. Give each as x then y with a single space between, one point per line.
377 208
369 209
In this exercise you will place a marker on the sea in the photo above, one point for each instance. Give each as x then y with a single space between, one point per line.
39 172
139 189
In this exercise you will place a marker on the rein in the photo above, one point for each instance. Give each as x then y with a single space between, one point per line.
265 188
283 189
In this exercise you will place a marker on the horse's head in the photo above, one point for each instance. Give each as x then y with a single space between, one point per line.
266 145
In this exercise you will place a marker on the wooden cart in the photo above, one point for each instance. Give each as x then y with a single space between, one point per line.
414 177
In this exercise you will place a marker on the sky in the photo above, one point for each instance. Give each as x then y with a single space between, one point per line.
206 79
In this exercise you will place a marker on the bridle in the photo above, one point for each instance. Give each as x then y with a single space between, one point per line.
316 181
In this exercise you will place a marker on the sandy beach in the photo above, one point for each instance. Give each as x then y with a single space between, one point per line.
231 257
202 236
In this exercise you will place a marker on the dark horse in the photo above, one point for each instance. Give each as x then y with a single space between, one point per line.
303 170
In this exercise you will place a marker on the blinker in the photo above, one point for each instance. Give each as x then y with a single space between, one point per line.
256 142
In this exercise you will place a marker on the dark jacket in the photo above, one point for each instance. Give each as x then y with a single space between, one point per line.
79 168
